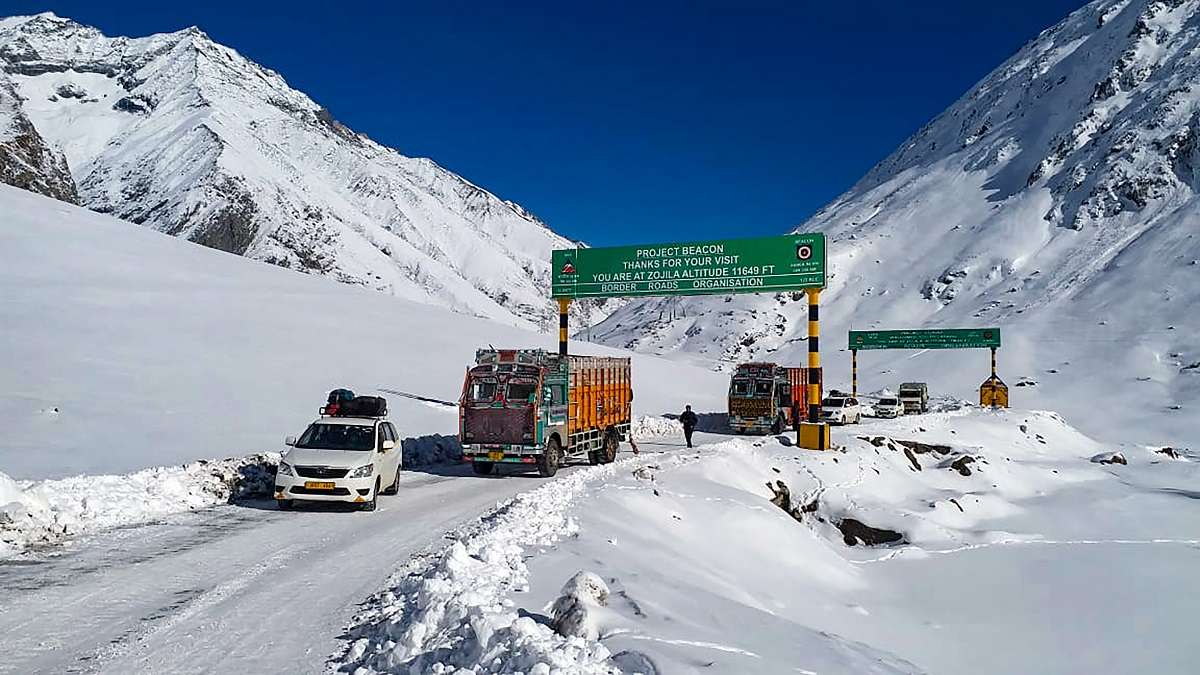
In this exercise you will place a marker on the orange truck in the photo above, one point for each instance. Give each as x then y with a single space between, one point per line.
767 398
530 406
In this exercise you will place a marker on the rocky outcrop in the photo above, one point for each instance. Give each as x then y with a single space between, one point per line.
26 160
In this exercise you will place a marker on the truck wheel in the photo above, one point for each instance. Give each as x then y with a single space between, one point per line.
548 463
609 454
777 427
483 468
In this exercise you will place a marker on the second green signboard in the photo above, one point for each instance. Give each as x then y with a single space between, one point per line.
761 265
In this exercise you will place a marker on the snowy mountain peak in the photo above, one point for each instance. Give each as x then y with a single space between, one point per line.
1057 198
185 135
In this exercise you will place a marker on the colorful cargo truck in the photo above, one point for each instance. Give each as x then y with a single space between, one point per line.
533 407
766 398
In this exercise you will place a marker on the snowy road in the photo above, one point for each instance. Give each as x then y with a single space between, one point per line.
238 588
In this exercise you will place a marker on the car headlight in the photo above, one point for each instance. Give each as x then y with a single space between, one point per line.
362 471
285 469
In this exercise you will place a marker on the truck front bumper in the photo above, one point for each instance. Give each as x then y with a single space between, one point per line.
507 454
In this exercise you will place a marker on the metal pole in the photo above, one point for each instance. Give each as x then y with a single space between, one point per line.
854 373
563 305
993 362
814 360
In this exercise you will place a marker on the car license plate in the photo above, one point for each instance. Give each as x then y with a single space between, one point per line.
496 456
317 485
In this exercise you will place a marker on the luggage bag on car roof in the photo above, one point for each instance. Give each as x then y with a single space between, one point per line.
364 406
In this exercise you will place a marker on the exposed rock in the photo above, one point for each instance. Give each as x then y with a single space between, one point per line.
856 532
1169 452
1109 458
571 615
27 161
912 458
960 465
923 448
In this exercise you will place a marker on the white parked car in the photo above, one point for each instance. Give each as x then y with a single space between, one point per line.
889 406
841 410
340 459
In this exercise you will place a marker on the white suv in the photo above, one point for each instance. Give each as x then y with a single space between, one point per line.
841 410
340 459
889 407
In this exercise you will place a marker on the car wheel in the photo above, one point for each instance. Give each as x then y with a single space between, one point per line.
374 503
395 486
483 468
549 461
285 504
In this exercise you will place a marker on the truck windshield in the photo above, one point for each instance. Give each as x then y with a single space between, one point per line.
519 392
741 388
483 390
337 437
762 387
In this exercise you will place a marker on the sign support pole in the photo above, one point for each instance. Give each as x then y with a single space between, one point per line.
854 373
813 434
993 363
563 305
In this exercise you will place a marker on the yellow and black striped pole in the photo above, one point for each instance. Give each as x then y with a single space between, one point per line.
563 305
814 354
814 435
993 363
854 373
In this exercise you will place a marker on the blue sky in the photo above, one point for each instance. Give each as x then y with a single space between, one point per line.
622 122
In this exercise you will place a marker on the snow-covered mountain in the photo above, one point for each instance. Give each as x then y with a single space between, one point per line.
1056 199
186 136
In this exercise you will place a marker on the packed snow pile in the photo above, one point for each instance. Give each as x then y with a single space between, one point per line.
449 612
431 449
41 513
653 426
928 543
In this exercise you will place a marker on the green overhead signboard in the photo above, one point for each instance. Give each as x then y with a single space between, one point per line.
761 265
946 338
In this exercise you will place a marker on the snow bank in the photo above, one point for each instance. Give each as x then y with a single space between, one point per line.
34 514
449 611
1015 546
651 426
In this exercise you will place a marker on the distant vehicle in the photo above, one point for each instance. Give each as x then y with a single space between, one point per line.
841 410
353 456
915 397
888 407
530 406
766 398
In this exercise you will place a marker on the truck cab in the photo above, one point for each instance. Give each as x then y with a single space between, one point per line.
766 398
530 407
915 397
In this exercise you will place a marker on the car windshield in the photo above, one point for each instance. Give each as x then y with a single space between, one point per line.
519 392
741 388
833 403
762 387
337 437
888 401
483 390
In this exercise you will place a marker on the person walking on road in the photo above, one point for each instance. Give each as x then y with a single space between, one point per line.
688 419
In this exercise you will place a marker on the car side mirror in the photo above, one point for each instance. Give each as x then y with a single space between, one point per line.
290 440
388 445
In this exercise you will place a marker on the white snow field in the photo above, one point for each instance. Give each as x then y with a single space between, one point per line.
1041 560
125 348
